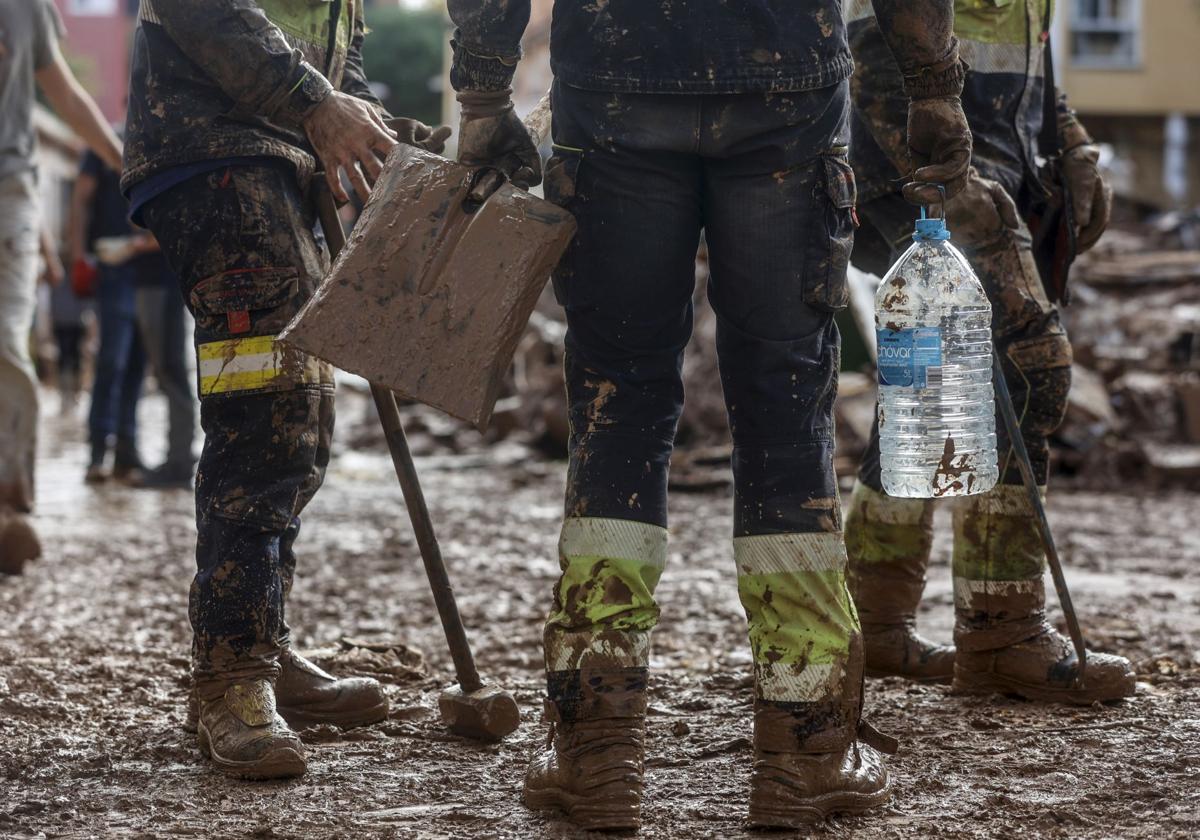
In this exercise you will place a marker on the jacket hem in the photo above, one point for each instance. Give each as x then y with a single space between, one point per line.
777 80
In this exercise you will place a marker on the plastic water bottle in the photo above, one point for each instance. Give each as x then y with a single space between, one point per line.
933 322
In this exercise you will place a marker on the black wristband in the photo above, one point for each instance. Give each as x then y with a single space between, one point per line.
469 71
944 78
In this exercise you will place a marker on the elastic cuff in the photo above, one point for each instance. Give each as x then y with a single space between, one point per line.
469 71
943 78
308 90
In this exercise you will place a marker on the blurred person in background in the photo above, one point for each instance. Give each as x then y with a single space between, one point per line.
67 310
126 259
29 52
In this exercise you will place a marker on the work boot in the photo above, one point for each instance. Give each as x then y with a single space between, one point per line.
18 542
592 765
244 736
888 541
308 696
800 777
1044 668
1004 643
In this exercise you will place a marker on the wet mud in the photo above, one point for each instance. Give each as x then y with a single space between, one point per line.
94 650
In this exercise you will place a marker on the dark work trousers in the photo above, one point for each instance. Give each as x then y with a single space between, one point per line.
241 241
120 365
765 177
1034 350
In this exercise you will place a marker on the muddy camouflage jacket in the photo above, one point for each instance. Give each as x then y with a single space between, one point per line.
659 46
1002 42
235 78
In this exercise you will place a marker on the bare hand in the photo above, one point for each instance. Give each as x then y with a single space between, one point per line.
349 135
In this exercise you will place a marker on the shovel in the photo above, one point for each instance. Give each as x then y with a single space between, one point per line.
433 291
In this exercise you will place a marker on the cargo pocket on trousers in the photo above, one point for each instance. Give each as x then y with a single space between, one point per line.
560 187
234 302
832 237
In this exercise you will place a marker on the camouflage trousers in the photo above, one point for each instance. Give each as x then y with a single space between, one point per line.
765 177
241 241
998 557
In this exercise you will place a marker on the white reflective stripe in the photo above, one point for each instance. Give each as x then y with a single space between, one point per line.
768 554
146 12
250 363
966 590
782 683
997 58
858 9
614 539
569 651
1001 500
888 510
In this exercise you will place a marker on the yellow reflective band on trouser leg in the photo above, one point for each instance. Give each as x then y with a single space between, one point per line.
604 606
801 617
256 363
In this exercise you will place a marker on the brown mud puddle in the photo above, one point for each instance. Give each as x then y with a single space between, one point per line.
93 647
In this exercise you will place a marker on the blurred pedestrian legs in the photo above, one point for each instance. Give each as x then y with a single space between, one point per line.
120 365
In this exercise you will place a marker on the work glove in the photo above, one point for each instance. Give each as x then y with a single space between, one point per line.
416 133
492 135
982 212
1091 197
939 138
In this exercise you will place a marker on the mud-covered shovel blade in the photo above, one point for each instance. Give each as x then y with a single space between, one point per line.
429 296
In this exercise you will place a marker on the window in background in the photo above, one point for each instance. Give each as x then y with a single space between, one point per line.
1106 34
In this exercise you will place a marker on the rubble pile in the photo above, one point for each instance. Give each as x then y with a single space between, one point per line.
1134 321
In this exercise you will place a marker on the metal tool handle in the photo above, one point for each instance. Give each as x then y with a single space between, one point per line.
410 485
1013 426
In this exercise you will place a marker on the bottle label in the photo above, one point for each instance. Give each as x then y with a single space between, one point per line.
910 358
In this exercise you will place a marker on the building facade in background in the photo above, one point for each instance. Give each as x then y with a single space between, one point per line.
1132 70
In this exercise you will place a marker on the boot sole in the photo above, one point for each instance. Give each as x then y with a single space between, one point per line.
818 808
610 816
969 682
299 718
282 763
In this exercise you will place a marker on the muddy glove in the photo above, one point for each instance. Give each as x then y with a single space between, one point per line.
981 213
939 139
416 133
1091 197
492 135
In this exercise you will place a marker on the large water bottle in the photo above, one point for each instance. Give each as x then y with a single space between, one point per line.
937 424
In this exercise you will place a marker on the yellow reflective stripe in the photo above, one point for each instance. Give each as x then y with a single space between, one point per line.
252 363
966 591
813 683
1001 500
876 507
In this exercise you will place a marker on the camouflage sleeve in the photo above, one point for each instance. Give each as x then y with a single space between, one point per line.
247 56
354 78
486 42
920 34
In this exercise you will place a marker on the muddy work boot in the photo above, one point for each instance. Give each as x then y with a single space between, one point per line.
244 736
308 696
18 542
1044 668
888 541
591 768
800 777
1004 643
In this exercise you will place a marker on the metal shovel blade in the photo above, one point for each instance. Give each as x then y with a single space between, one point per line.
429 297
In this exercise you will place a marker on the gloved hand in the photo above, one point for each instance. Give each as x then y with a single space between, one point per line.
939 146
981 213
416 133
492 135
1091 197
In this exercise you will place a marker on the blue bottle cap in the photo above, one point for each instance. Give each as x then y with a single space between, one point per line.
928 229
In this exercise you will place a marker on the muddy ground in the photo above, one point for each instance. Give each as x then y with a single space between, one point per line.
93 652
